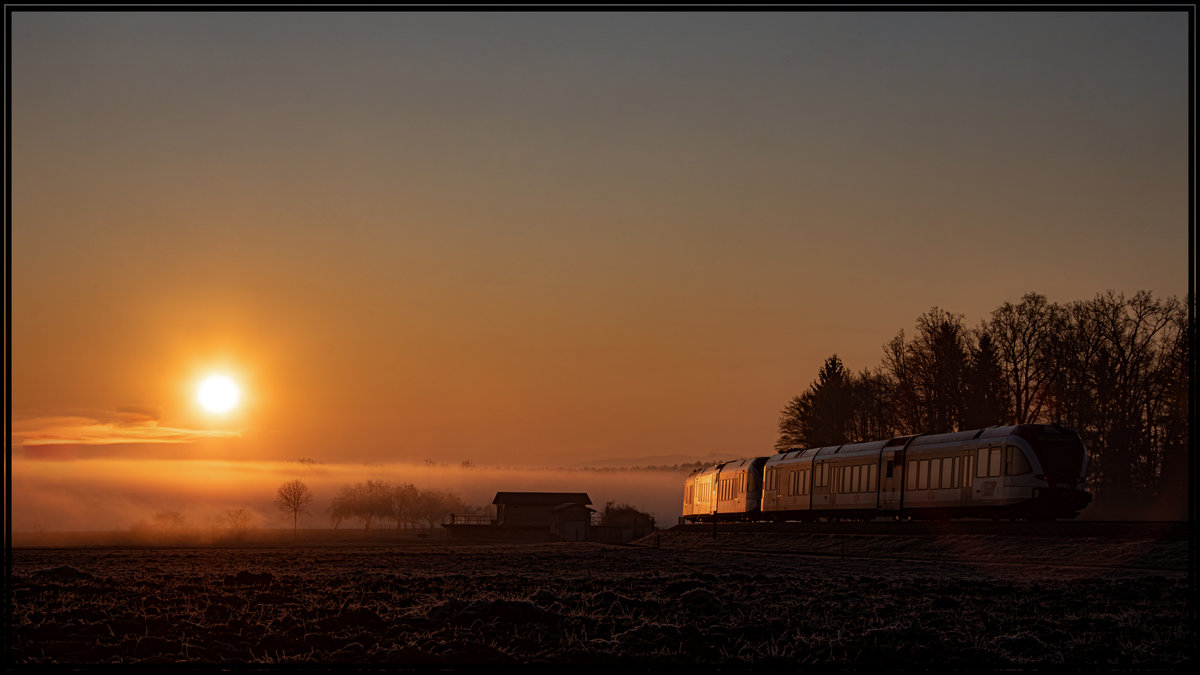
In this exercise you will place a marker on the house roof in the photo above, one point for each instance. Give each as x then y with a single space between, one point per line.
571 505
542 498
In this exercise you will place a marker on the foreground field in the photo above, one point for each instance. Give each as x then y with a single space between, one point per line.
680 597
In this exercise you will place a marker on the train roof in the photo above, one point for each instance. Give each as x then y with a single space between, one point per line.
743 463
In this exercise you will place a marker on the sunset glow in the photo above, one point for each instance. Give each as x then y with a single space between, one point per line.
544 240
218 394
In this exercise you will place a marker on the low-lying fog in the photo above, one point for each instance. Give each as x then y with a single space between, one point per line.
117 494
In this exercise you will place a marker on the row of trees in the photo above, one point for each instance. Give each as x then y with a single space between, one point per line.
1114 368
404 504
369 502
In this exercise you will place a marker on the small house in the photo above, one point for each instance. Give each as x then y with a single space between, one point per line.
561 515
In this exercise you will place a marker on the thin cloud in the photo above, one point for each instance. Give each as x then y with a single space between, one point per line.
130 426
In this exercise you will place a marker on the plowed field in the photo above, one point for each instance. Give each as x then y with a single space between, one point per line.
755 598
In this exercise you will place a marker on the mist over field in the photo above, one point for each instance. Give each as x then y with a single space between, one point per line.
116 494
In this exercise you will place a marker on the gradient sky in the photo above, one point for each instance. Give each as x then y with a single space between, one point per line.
544 238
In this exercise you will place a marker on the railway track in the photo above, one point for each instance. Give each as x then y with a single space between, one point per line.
1141 547
1148 530
970 561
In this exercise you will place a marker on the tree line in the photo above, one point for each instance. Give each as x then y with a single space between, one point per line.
1113 368
372 501
404 505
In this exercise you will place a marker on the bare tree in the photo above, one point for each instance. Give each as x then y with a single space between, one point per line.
929 373
293 496
362 500
1021 335
404 500
238 521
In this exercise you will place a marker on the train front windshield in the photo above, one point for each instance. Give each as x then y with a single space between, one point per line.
1060 452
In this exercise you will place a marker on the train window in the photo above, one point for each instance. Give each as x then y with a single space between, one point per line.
981 463
872 478
804 482
948 472
994 462
935 473
890 465
954 474
923 475
855 474
911 471
1015 463
970 472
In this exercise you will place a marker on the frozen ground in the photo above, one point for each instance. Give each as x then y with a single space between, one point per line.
959 601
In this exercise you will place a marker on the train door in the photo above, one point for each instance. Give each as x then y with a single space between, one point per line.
891 474
822 479
987 481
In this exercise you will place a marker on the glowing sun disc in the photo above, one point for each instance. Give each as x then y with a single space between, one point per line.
218 394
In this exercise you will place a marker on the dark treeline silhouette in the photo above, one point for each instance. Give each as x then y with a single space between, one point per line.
1113 368
625 515
405 505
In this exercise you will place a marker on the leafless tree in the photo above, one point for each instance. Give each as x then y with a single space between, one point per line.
929 373
238 521
293 497
362 500
1021 335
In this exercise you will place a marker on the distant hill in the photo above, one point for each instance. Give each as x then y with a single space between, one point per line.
655 460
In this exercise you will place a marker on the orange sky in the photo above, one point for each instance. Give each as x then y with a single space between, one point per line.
541 239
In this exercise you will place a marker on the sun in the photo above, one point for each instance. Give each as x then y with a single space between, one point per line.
218 394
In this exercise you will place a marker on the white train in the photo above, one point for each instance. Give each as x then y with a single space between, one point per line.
1029 471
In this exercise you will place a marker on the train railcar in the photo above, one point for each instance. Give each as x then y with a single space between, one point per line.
700 493
724 491
1023 471
739 489
787 485
1031 471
